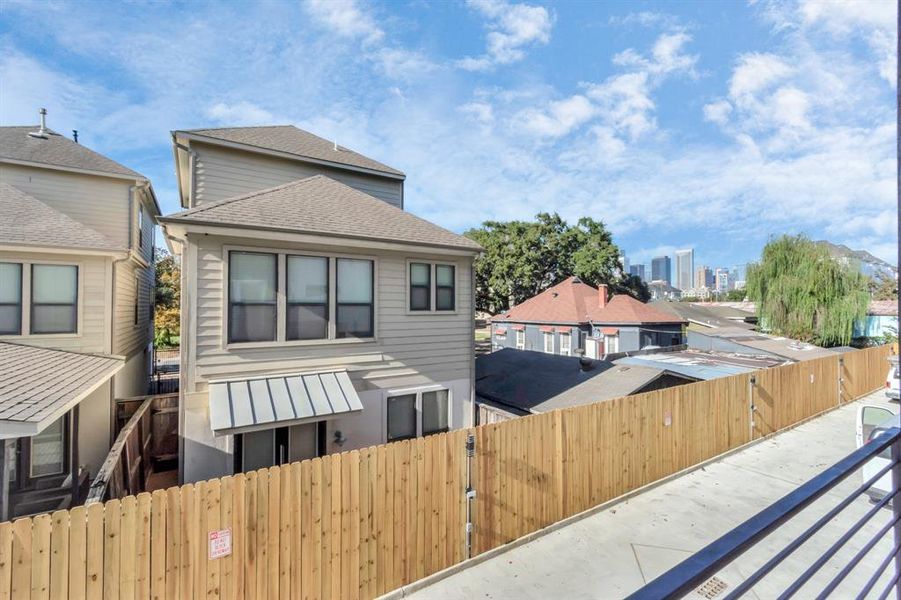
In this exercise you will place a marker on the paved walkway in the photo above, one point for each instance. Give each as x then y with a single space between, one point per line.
614 552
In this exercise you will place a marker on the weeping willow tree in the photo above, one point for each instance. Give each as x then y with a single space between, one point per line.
802 293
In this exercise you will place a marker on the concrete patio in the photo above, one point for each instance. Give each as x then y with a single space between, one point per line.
615 551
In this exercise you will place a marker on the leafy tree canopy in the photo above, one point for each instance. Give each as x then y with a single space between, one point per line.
168 299
802 293
883 287
524 258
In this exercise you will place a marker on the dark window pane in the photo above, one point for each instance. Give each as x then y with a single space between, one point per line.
444 298
252 323
10 319
401 417
434 412
259 450
354 321
419 298
53 319
307 322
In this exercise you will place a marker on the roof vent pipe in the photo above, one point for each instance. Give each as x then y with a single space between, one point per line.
42 132
335 145
75 135
585 363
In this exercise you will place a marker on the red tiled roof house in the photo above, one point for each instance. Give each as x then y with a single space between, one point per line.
573 316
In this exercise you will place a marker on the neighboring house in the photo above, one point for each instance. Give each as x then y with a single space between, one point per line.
881 321
701 317
317 316
662 290
703 365
574 318
738 340
511 383
76 311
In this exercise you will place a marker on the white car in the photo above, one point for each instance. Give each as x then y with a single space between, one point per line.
872 421
892 379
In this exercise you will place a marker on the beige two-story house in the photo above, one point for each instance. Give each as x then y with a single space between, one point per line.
76 311
317 315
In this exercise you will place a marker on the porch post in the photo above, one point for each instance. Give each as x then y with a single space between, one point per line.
7 456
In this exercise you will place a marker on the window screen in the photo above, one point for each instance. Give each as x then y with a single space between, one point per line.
307 304
401 417
445 282
253 280
10 299
54 298
355 298
420 286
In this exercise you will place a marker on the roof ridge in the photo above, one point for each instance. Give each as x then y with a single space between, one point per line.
237 127
44 348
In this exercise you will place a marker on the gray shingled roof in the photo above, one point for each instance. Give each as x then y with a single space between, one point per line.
320 205
57 150
25 220
539 382
41 384
290 139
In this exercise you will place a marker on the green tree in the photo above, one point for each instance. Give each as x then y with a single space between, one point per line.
524 258
883 287
168 299
802 293
736 295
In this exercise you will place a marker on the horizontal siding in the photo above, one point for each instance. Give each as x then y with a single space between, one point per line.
93 301
131 338
435 347
225 173
101 203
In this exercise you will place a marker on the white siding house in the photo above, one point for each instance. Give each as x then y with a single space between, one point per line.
317 316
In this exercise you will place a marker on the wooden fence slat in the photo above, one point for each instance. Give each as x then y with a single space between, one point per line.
22 558
78 553
159 548
174 535
226 522
40 565
142 544
211 509
6 560
59 554
128 547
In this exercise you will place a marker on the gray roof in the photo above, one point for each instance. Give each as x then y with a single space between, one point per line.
702 365
26 221
56 151
767 344
277 400
320 205
38 385
705 316
539 382
291 140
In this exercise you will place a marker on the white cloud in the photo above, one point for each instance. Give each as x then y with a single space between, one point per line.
346 18
756 72
512 27
718 112
666 56
240 114
559 118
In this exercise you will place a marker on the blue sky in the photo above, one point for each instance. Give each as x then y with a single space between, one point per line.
710 125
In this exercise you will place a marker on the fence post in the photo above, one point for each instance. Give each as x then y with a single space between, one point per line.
841 378
752 381
470 493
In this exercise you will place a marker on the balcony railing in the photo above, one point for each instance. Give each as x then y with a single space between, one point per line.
699 569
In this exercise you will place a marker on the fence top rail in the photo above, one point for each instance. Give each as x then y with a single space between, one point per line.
98 486
696 569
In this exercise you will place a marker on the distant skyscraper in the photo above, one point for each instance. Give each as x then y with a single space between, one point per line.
722 280
661 269
639 271
703 277
625 262
685 268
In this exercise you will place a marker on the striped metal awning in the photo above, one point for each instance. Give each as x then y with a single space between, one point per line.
240 405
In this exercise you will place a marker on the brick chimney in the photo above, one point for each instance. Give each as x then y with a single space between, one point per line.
602 295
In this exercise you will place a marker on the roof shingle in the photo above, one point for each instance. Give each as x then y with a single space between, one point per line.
25 220
56 151
320 205
292 140
572 301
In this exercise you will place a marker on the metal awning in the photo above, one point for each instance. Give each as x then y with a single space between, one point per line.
254 403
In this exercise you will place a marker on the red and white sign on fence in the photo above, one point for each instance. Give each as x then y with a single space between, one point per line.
220 543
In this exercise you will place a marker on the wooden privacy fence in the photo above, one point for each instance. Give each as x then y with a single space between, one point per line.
361 523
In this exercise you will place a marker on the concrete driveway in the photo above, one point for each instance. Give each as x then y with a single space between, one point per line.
615 551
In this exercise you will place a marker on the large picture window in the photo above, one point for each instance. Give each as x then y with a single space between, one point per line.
354 298
54 299
420 286
252 285
307 298
10 298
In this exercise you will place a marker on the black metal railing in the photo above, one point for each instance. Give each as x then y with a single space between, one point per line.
698 569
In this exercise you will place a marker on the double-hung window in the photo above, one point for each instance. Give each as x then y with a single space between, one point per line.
10 298
565 344
549 343
307 298
355 309
417 414
252 296
54 299
420 286
432 287
520 339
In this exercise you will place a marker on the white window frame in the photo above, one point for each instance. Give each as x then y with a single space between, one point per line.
281 297
419 391
25 331
567 348
611 348
547 336
520 339
433 286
